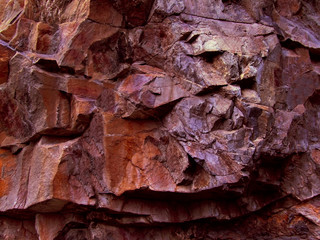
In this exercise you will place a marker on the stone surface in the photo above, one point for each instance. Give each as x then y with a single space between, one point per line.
5 55
159 119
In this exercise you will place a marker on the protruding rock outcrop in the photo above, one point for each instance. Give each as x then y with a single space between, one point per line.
159 119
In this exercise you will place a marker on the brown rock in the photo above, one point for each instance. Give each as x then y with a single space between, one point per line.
56 12
9 14
300 82
17 229
77 41
218 10
103 12
301 178
249 95
8 163
159 119
21 40
135 13
5 55
81 111
138 164
287 9
148 93
46 37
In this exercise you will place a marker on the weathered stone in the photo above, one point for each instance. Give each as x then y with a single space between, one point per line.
17 229
36 185
148 92
135 13
249 95
5 55
56 11
75 48
9 15
46 38
287 9
300 82
21 40
8 163
159 119
218 10
81 112
301 177
299 29
269 78
104 13
235 38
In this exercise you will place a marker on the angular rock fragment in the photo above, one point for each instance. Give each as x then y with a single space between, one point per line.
148 94
5 55
159 119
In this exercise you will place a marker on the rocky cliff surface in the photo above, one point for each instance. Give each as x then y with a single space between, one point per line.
159 119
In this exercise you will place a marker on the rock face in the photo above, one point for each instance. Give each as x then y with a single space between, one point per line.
159 119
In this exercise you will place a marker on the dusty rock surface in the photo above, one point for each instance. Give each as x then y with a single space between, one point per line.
159 119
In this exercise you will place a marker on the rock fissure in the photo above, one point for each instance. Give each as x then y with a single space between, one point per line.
159 119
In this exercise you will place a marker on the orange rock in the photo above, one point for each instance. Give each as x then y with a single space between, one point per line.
10 13
21 40
315 154
104 13
73 53
7 165
84 88
49 226
201 117
46 38
103 62
81 111
5 55
56 12
56 107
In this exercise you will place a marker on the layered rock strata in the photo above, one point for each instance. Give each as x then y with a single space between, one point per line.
159 119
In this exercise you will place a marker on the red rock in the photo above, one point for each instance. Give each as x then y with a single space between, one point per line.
46 224
298 28
159 119
104 12
5 55
149 92
56 12
9 13
137 165
287 9
302 182
13 118
81 111
218 10
18 229
249 95
135 13
8 164
302 81
310 210
84 88
46 36
73 53
103 62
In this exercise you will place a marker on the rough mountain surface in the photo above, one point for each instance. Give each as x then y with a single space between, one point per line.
159 119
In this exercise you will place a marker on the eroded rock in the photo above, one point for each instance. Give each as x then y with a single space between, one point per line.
159 119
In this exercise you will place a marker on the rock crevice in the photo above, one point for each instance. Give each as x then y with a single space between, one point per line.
159 119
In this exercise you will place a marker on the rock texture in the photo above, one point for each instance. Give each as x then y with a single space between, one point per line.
159 119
